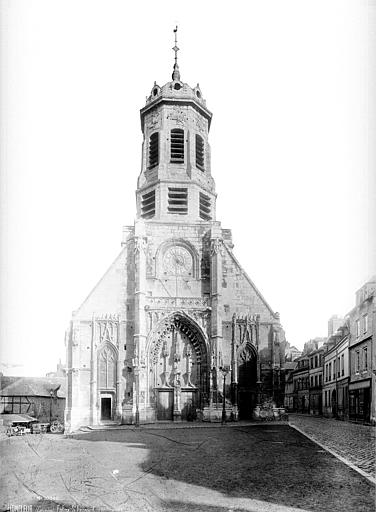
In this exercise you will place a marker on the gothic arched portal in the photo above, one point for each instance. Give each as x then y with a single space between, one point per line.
247 381
178 369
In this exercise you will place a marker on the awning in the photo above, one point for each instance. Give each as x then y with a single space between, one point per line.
8 419
360 385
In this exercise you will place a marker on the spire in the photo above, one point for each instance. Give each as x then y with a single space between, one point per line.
176 72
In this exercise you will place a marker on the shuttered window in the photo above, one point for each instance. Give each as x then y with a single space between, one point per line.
148 205
178 200
200 162
177 146
154 150
205 207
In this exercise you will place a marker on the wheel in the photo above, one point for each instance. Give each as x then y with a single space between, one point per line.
56 427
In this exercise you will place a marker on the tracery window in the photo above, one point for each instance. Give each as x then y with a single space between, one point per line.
107 368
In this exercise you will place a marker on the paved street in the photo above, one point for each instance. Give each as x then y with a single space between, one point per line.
354 442
262 468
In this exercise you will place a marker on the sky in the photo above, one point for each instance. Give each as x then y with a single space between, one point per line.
291 87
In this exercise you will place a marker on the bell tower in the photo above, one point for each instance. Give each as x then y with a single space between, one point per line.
175 183
175 313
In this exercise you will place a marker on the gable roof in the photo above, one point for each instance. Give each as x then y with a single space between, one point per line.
33 386
258 293
290 365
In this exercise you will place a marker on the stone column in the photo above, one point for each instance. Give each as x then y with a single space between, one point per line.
216 250
118 383
93 376
176 376
140 302
259 383
234 369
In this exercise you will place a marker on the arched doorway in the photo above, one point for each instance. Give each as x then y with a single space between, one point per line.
247 381
178 369
107 358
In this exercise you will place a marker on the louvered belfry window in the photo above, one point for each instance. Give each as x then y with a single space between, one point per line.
177 146
178 200
200 162
154 150
205 207
148 205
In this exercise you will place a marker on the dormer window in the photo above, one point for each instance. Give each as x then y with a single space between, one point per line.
200 163
153 150
177 146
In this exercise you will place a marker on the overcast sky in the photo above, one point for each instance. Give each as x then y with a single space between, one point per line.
289 84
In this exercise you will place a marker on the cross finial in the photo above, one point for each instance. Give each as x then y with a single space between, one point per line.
176 72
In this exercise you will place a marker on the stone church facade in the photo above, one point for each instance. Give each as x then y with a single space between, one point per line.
175 329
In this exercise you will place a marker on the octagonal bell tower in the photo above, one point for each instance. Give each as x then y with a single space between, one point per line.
175 184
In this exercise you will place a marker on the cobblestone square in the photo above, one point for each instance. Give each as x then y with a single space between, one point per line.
241 467
355 442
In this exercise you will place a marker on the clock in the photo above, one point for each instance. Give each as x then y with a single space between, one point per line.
177 261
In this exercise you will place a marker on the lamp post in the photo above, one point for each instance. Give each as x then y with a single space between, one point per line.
225 369
51 395
137 382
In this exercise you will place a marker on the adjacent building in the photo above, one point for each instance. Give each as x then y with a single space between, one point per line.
362 355
316 380
334 323
336 375
289 385
39 397
301 385
291 352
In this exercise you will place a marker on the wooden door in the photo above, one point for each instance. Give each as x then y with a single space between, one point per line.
188 405
247 388
165 404
105 408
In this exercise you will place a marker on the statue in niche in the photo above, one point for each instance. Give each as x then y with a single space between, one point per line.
188 355
165 355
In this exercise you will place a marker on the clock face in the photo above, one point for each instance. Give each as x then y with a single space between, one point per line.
177 261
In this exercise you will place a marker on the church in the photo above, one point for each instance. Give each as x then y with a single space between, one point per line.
175 330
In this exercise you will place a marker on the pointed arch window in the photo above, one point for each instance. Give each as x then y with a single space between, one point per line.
200 160
153 150
177 146
107 368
